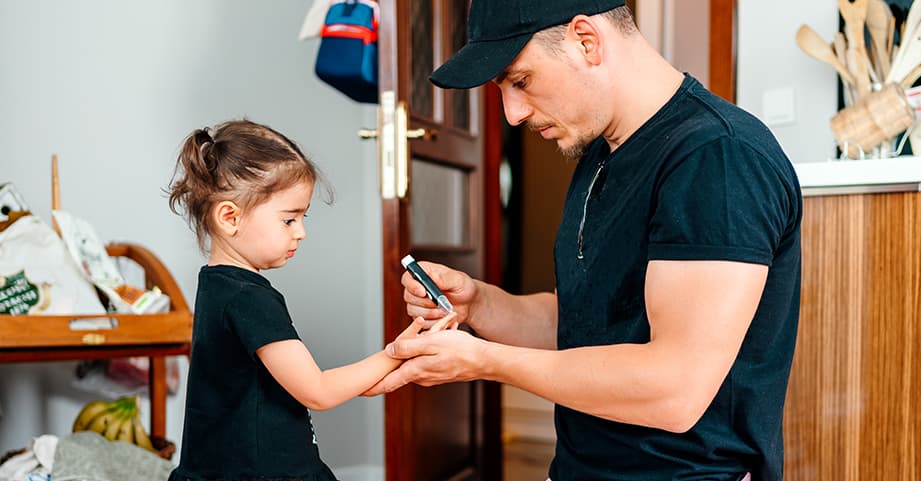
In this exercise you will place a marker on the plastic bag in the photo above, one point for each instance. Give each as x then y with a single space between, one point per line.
89 253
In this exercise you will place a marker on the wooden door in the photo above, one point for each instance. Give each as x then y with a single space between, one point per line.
432 204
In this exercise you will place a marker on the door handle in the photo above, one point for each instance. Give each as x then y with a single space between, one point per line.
393 144
424 134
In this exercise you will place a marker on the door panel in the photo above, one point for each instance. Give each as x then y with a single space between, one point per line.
438 433
439 205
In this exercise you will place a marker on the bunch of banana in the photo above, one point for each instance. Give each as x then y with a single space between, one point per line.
118 420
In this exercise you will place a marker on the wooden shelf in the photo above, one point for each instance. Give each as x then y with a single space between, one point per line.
37 338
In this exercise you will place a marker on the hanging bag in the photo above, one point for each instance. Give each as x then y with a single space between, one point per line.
347 59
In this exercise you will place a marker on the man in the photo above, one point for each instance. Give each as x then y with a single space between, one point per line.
667 344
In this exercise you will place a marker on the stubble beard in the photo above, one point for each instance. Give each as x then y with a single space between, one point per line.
575 151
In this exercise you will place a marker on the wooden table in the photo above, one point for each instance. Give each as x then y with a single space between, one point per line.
37 338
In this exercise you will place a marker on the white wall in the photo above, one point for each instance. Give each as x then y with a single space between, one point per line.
112 87
687 40
768 59
769 62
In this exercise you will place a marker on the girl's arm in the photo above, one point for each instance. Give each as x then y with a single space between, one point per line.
292 365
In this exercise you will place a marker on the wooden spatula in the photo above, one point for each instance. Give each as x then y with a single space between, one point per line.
879 17
813 44
855 15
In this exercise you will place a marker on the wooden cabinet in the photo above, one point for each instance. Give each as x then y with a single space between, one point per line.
853 409
31 338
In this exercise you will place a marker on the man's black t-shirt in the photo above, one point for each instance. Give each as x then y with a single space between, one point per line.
240 424
700 180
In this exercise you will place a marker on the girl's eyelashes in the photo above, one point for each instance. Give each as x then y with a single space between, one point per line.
291 221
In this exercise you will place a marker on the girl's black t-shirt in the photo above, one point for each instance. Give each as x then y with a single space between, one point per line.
240 424
700 180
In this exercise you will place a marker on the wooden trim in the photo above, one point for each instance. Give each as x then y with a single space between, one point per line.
492 253
492 202
723 48
398 405
9 355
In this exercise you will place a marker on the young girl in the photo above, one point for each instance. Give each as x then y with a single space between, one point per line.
247 187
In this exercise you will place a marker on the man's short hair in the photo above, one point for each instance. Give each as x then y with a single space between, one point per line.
621 17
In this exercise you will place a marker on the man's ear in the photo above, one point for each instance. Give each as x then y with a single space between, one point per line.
226 217
586 31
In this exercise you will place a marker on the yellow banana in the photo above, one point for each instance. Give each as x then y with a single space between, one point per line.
114 427
126 430
103 420
140 436
91 410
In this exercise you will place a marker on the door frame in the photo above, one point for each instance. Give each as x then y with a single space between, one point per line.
723 48
399 405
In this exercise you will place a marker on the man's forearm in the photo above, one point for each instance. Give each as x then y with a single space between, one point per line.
526 321
629 383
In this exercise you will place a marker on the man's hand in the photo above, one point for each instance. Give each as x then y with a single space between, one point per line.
458 286
433 358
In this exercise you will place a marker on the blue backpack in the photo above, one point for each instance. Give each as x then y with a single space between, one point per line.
347 59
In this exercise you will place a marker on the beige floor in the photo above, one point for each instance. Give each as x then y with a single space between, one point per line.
527 460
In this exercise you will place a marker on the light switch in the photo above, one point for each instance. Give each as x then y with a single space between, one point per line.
778 107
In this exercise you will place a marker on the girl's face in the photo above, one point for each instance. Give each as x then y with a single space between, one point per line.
268 234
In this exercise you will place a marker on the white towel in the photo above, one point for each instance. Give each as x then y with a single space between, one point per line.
35 462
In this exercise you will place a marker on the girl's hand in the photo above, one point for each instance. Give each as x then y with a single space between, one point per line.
413 330
447 322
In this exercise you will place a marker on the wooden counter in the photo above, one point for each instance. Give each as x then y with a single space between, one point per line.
853 409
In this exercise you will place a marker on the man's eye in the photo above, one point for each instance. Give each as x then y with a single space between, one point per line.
520 84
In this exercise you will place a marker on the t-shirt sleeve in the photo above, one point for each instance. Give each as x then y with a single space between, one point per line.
258 317
724 201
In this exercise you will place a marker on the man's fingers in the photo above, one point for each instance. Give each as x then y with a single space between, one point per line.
375 390
407 348
413 290
391 382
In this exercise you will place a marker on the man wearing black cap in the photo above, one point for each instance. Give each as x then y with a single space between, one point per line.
667 344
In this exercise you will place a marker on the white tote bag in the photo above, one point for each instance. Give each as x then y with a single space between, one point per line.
38 275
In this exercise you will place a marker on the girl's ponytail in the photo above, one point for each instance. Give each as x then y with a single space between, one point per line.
194 181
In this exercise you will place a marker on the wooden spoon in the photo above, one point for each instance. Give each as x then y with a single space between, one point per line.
811 43
907 31
855 15
909 58
839 47
878 20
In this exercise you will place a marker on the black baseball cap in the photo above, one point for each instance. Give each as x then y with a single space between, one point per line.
497 30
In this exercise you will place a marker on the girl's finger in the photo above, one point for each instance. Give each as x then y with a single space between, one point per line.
443 322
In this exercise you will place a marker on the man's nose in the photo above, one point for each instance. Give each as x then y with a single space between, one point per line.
516 110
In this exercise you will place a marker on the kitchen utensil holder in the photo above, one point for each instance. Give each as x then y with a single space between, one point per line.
877 117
